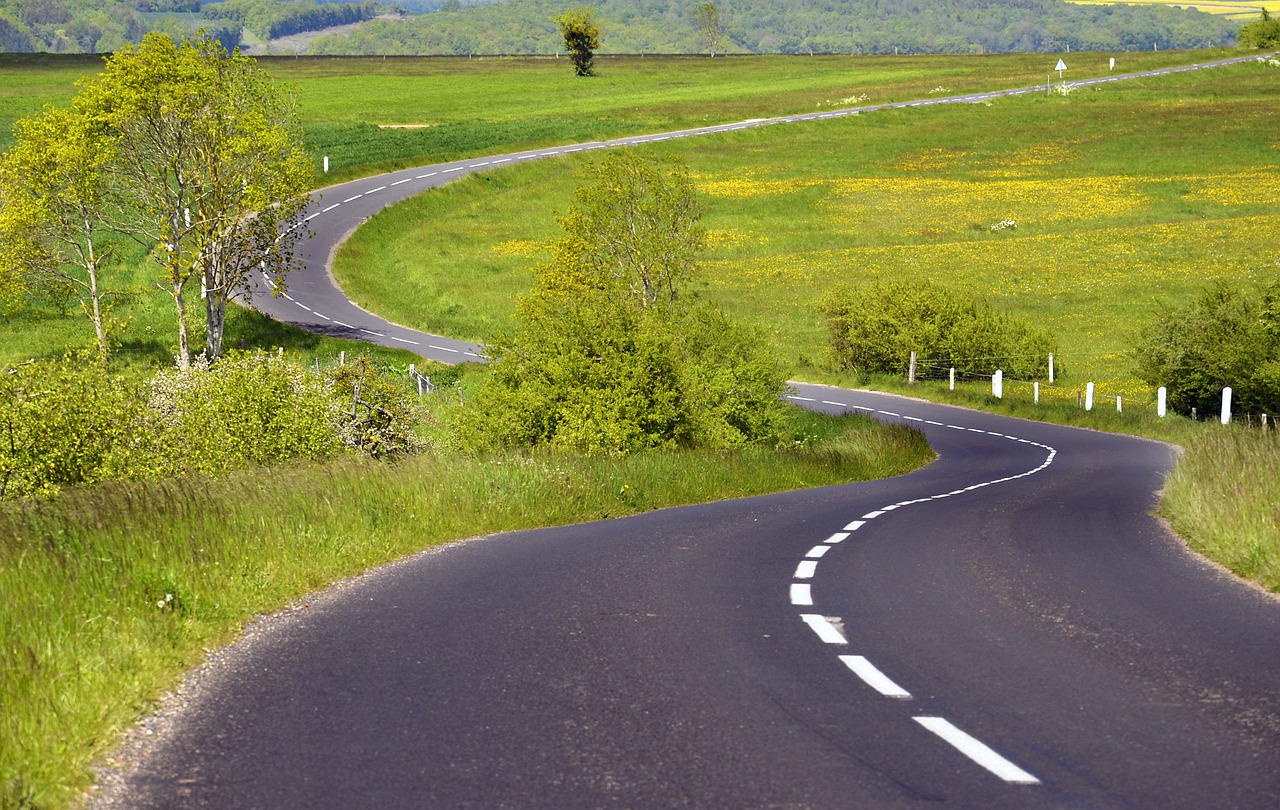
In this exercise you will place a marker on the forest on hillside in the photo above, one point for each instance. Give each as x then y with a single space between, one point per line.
795 27
464 27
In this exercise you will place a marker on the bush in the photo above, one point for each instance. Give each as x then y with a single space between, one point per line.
1226 337
608 356
249 408
71 423
874 329
1263 33
62 423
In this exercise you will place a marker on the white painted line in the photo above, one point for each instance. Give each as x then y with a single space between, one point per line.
402 340
854 526
818 551
824 628
873 677
837 404
330 208
913 419
502 160
889 413
454 169
872 515
447 349
803 399
931 422
977 751
481 163
806 569
399 182
838 537
425 176
322 315
313 216
304 306
367 332
801 594
350 199
890 507
347 325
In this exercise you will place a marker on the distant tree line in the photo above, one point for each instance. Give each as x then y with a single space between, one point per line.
270 19
794 26
630 26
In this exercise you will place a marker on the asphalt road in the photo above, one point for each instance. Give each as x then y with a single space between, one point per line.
1007 627
316 304
821 649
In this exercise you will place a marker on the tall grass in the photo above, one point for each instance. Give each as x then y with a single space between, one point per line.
1224 499
109 594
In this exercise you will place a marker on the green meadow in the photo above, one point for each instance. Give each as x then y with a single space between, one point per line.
1125 199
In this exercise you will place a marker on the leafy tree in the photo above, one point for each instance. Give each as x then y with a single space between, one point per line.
709 22
581 35
54 201
211 163
1225 337
874 329
608 355
1262 33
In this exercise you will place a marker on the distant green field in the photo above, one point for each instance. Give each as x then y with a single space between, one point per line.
1232 9
1126 198
462 107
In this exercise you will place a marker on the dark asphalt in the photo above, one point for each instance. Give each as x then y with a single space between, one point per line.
658 661
663 661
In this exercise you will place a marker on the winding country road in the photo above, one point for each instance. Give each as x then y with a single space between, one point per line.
1007 627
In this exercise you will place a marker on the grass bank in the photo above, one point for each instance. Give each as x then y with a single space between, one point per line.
110 594
1224 498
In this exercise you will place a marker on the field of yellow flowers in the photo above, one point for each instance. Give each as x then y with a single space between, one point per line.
1088 213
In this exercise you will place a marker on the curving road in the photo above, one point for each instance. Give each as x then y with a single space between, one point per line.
1007 627
315 303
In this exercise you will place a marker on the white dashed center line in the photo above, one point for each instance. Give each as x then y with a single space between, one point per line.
977 751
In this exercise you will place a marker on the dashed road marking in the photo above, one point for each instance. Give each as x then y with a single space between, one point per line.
977 751
826 631
873 677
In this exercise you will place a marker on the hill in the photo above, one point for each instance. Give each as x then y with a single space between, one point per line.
797 27
630 26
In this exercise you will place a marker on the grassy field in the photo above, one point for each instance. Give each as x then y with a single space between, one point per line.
110 594
466 107
1126 198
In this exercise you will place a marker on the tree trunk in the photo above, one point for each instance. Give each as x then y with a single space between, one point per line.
215 311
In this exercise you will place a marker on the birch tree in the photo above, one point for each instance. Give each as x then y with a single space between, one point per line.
54 205
210 167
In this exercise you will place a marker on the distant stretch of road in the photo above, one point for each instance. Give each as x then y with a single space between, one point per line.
1006 628
315 303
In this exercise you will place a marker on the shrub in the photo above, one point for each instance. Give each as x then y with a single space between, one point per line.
608 356
1263 33
874 329
1225 337
62 423
249 408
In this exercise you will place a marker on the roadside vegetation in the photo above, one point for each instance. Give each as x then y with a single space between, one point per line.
1086 213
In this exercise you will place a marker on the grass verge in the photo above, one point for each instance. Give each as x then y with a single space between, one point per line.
110 594
1224 498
